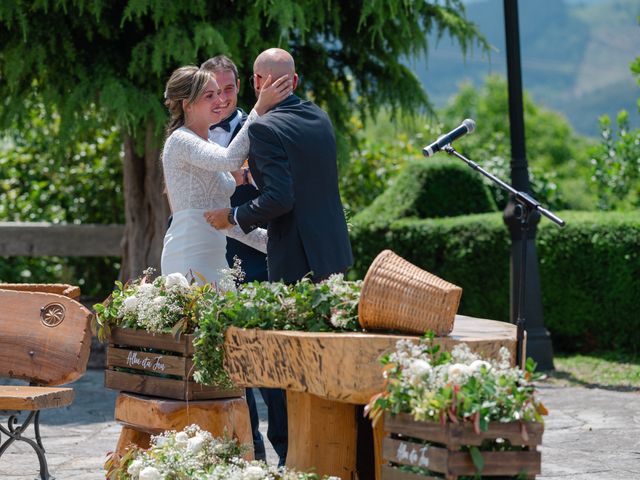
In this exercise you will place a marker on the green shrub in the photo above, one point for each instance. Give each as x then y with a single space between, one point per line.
42 179
590 270
590 273
431 189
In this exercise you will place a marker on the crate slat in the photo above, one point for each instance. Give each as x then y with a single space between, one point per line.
148 362
164 387
158 341
415 454
392 473
455 435
404 424
496 463
445 456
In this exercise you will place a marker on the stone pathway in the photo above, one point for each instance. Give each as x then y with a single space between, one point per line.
591 434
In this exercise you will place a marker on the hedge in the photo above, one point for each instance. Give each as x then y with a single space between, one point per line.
590 270
431 189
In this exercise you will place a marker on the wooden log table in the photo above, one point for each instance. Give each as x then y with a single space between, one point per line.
327 375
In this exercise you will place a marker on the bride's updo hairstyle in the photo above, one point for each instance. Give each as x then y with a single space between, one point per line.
185 83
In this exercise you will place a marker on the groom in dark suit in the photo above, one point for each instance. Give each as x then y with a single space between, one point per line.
254 263
293 161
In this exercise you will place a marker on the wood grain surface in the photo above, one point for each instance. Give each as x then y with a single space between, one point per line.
322 434
34 398
344 367
142 416
34 351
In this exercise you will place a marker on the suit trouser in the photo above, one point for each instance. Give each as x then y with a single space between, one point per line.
277 429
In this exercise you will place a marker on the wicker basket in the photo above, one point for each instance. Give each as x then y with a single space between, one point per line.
397 295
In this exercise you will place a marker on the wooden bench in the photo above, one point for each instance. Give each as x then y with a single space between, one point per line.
45 338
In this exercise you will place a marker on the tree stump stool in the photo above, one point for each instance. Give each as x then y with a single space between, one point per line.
143 416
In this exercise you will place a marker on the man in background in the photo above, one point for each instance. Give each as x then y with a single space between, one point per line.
253 262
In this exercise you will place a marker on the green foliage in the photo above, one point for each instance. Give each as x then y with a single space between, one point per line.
609 370
120 54
431 189
616 165
170 304
470 251
456 387
43 179
616 161
554 152
317 307
558 159
590 275
589 271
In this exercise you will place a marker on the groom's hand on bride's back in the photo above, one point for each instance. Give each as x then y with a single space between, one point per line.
218 219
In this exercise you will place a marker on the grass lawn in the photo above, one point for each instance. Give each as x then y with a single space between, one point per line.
610 370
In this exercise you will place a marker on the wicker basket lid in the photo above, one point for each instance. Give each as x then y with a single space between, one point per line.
397 295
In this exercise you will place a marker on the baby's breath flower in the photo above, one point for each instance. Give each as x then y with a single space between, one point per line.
433 385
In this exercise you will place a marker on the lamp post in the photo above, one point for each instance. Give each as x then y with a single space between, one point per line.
538 338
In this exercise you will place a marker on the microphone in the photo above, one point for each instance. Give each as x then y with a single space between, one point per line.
467 126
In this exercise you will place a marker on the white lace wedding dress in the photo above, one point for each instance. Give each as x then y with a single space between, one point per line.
197 179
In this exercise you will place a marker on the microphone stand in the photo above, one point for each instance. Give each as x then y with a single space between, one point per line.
526 205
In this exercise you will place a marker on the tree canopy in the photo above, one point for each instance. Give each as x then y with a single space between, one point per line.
118 54
113 57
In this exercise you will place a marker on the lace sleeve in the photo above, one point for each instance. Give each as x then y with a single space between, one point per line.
210 156
255 238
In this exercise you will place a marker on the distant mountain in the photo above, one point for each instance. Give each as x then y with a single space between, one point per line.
575 56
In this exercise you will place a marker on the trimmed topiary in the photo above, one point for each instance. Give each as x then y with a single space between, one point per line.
431 189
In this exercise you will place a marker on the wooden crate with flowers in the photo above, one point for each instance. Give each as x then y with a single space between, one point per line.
150 326
457 416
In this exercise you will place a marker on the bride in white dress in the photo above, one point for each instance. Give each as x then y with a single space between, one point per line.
196 173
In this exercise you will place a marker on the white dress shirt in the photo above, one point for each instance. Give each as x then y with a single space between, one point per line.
221 136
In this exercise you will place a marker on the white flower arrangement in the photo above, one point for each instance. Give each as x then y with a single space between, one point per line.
195 454
163 304
456 387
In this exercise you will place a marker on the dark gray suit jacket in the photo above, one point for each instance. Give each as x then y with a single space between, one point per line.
293 162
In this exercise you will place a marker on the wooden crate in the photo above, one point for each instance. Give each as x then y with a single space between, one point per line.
404 445
156 365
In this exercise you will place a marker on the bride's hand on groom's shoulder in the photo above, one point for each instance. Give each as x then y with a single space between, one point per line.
218 219
272 93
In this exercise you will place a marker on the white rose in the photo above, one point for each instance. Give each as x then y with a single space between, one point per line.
458 372
150 473
417 369
130 304
476 365
254 473
182 439
146 288
420 367
176 279
134 468
195 444
160 441
160 301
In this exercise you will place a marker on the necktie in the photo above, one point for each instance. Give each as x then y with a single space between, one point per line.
224 124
